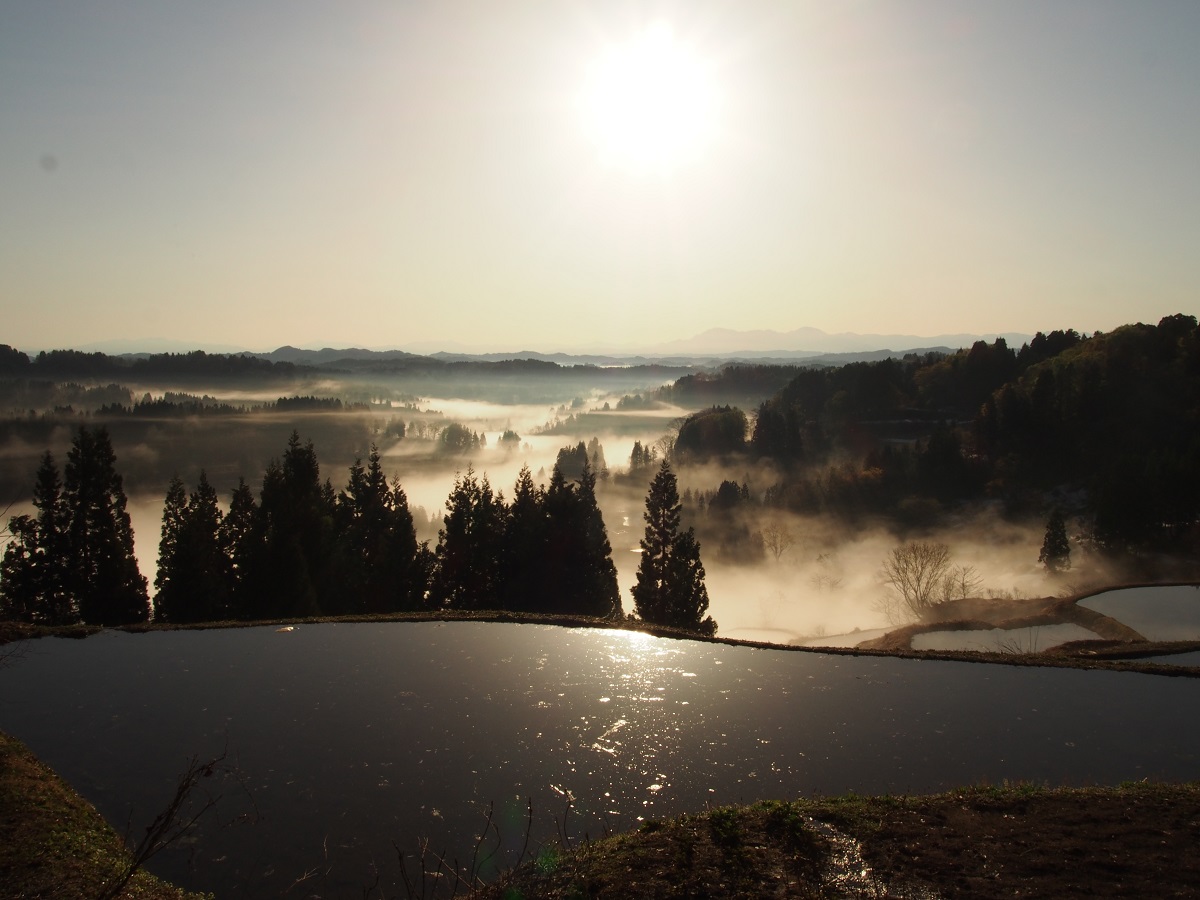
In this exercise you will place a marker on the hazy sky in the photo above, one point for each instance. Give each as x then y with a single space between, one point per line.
519 174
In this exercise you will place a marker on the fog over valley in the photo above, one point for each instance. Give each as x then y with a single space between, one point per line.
798 481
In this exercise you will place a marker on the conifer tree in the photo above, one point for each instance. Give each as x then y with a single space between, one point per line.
32 584
468 573
240 539
384 571
596 579
20 594
290 571
174 511
526 532
670 587
200 543
1056 549
101 569
193 571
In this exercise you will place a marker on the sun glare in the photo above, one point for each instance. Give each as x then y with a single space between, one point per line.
650 103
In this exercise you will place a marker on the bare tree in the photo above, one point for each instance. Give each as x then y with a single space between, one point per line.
828 575
778 538
916 573
666 443
960 583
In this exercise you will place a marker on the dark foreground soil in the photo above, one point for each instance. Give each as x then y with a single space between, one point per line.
53 843
1137 840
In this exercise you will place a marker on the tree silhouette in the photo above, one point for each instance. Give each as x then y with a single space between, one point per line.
174 512
579 575
468 574
384 568
193 580
777 538
526 533
238 535
670 587
1056 549
101 570
917 573
290 569
32 586
571 461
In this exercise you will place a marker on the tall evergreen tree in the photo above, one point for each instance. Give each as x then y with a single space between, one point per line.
193 570
174 512
32 583
469 568
577 572
240 539
670 587
20 594
1056 549
526 532
290 570
102 571
384 568
599 593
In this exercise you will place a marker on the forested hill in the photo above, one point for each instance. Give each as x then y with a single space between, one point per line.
51 364
1115 417
297 365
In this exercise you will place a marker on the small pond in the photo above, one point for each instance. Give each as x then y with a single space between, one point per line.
1158 613
348 737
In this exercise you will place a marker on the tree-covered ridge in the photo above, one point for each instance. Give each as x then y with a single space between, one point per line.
78 364
1113 419
67 363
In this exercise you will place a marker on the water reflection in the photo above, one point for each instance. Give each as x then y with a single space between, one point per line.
354 736
1158 613
850 639
1003 640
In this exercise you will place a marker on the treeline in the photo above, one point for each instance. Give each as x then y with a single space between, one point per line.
78 364
732 384
179 404
1107 423
300 548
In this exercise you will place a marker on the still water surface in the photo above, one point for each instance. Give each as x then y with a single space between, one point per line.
1157 612
349 737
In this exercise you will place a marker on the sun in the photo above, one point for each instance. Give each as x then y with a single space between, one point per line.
650 104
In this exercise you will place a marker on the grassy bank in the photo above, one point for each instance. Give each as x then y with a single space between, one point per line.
1137 840
53 843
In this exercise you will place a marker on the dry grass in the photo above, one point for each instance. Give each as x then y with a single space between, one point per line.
1132 841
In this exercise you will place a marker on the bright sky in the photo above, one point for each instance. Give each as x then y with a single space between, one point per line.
592 173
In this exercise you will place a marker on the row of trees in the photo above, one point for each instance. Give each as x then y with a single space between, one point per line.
302 549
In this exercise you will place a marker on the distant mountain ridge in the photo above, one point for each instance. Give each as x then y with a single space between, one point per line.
707 348
803 342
